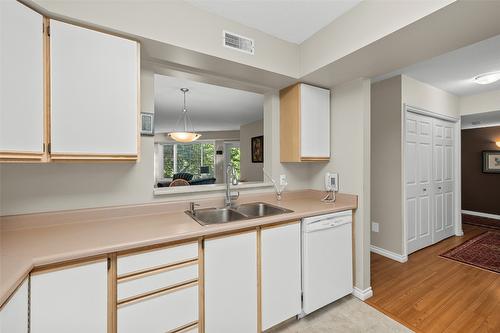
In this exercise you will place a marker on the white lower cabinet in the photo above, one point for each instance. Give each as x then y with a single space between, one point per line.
231 284
160 313
70 299
280 274
14 314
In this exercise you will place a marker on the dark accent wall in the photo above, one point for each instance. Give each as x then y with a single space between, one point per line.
480 191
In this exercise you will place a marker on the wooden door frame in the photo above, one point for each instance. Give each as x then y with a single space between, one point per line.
457 221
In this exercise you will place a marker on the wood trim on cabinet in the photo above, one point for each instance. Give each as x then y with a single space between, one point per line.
259 280
184 328
161 246
139 120
46 89
91 157
156 270
158 292
314 159
112 294
67 264
201 286
12 156
290 124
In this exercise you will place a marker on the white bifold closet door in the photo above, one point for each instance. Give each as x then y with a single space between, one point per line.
443 179
429 180
418 181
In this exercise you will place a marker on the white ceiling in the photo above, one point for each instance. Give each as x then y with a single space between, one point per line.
485 119
455 71
210 107
290 20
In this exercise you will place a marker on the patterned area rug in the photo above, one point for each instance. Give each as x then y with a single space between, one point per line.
481 221
481 251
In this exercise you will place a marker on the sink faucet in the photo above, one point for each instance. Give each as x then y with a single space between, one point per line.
230 179
192 209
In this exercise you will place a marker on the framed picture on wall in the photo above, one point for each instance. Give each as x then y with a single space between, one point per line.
491 161
258 149
147 124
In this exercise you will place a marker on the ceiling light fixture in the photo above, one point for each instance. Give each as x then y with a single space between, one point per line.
184 135
498 143
487 78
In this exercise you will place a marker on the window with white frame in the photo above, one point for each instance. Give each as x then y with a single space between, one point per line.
194 158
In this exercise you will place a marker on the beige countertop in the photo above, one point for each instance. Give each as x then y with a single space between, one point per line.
33 240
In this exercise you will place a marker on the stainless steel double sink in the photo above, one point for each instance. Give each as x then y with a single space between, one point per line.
241 212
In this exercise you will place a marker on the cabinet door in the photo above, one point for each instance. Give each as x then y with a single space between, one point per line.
21 82
315 123
94 94
231 284
70 300
280 274
14 314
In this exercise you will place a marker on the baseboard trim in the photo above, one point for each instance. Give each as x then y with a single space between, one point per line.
362 294
388 254
487 215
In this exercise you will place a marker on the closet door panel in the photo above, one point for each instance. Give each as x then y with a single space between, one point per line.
21 79
94 92
418 157
443 179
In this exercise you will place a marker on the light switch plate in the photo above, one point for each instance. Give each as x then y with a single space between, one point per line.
375 226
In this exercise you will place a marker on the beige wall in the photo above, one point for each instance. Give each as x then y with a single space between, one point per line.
388 98
250 171
350 147
386 162
427 97
181 24
364 24
484 102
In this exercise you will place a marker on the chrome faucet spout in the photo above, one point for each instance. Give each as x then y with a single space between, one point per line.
230 179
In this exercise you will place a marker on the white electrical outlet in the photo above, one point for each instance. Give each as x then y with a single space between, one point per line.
283 181
375 226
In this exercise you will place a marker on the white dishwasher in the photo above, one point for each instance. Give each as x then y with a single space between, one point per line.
326 259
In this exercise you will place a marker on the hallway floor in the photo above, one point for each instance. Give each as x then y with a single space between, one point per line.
433 294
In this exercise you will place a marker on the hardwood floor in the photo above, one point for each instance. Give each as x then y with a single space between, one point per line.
432 294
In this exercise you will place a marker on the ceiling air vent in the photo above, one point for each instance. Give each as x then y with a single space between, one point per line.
238 42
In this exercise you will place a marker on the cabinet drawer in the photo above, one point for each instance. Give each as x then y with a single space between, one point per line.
137 285
162 312
135 263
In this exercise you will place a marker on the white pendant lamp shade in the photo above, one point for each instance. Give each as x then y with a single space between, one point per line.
187 134
184 136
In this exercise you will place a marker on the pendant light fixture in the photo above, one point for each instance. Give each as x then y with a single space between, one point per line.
187 134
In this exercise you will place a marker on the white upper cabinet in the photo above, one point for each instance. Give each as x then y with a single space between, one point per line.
73 299
304 123
94 94
315 122
14 314
21 82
